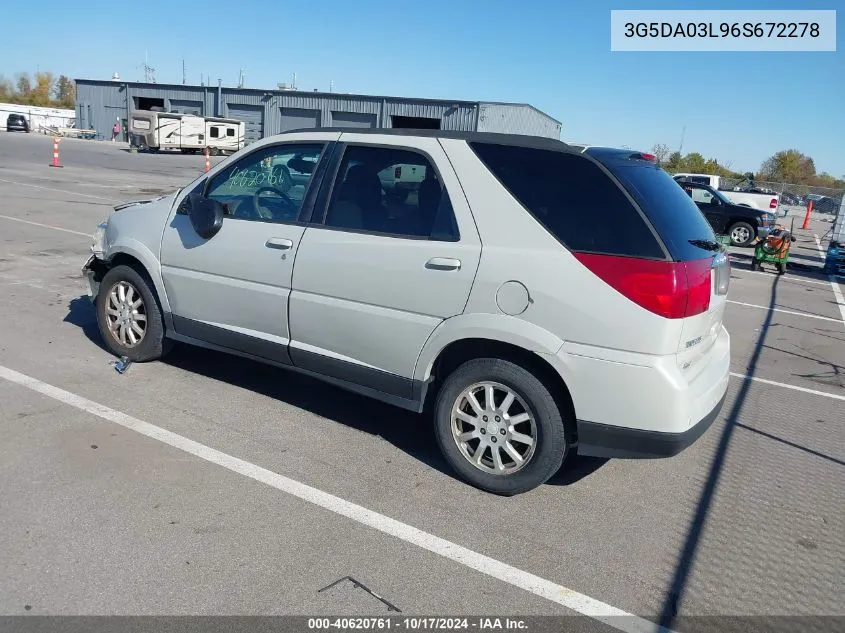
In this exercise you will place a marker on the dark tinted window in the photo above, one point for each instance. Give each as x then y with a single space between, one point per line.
573 198
670 209
215 132
391 191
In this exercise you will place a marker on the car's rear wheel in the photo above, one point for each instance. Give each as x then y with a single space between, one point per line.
499 427
129 317
742 234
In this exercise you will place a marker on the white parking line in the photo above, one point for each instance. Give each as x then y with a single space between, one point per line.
774 276
73 193
46 226
547 589
837 292
815 392
803 314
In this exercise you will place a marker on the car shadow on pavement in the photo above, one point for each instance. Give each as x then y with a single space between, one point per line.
673 600
82 314
407 431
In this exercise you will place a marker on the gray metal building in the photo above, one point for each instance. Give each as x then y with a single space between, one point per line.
267 112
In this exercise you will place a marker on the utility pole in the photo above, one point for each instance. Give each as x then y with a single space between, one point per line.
681 147
184 80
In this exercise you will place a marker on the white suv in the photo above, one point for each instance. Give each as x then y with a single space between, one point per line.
537 298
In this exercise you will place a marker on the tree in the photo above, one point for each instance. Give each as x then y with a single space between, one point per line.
788 166
675 162
7 90
661 152
65 92
23 85
42 92
695 163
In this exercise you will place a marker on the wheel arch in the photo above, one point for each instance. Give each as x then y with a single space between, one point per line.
508 338
139 257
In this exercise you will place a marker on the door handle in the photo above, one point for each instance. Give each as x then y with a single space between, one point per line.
443 263
279 242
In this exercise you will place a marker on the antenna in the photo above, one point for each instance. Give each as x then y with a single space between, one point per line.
241 78
149 71
184 80
331 86
294 81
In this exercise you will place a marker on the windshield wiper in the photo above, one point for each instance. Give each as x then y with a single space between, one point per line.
707 245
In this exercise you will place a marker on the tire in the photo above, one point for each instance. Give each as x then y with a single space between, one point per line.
741 233
152 345
548 429
781 268
755 265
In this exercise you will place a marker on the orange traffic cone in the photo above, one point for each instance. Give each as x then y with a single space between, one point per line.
55 162
806 224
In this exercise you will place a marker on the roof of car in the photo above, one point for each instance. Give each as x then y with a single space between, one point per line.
521 140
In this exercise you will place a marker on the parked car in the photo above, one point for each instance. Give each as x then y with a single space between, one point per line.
824 204
743 194
534 298
17 122
741 223
787 197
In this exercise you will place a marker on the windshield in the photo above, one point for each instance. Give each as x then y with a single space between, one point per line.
718 194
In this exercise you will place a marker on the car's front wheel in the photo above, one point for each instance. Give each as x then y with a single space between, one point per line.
129 317
499 427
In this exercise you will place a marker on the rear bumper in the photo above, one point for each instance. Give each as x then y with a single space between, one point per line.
640 406
604 440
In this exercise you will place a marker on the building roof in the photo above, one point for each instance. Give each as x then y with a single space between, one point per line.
317 93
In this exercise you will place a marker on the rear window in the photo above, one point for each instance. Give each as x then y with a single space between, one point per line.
672 212
573 198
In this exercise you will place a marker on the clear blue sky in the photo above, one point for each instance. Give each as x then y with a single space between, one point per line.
737 107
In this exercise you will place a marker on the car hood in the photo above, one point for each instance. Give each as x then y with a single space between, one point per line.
166 200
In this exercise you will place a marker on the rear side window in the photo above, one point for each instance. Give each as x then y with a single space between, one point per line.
573 198
671 210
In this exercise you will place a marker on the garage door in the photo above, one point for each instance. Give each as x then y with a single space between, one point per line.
186 107
353 119
253 118
299 118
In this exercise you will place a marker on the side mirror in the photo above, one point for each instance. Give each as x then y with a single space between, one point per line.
206 215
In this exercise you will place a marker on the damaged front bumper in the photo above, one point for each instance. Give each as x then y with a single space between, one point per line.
90 275
90 268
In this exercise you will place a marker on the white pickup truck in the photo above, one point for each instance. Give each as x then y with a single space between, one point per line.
755 198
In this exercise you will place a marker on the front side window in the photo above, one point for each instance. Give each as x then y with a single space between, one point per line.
391 191
267 185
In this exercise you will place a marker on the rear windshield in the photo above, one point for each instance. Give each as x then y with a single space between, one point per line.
573 198
672 212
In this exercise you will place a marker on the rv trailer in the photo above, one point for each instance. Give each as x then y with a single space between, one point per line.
188 133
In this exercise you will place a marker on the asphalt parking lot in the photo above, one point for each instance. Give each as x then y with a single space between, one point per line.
207 484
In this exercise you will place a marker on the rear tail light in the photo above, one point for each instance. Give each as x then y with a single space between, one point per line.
773 204
644 156
722 268
397 173
674 290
